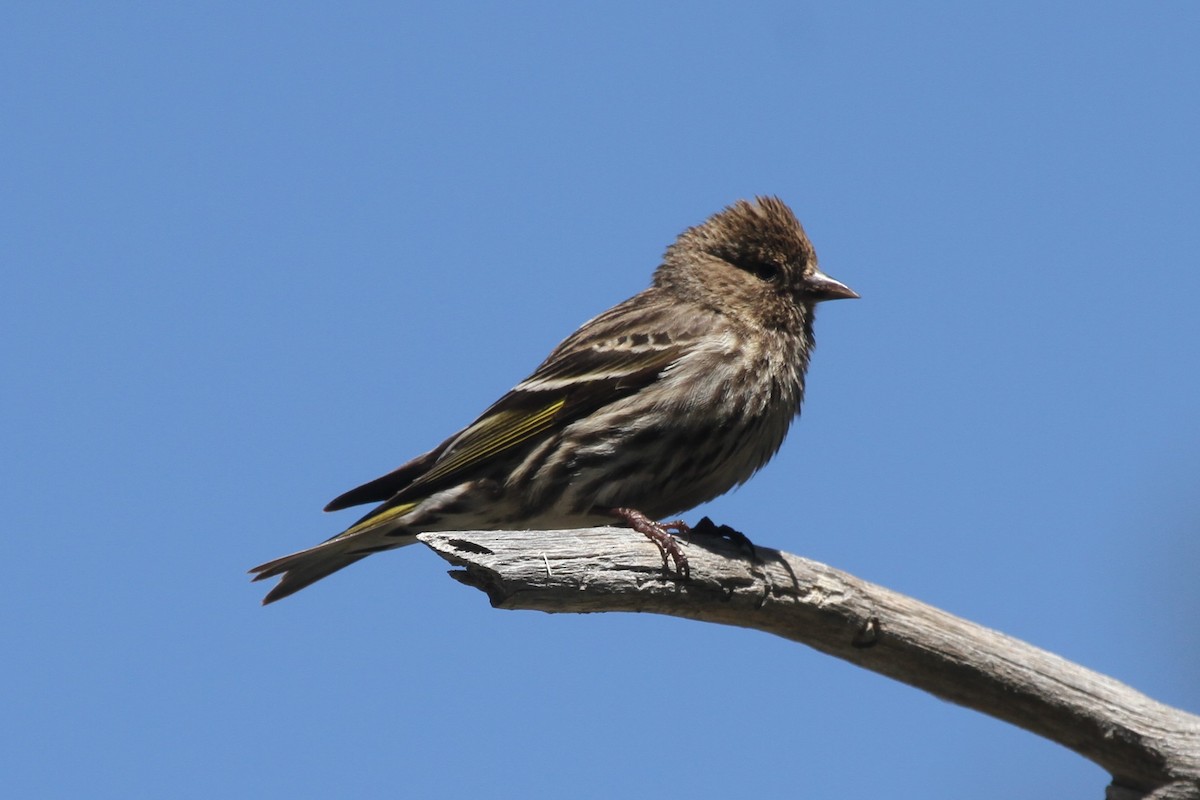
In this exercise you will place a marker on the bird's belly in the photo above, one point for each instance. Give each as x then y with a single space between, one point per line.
665 473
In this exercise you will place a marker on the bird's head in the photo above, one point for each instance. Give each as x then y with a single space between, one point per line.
751 256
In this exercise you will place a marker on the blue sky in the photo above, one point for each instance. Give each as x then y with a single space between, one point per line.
258 253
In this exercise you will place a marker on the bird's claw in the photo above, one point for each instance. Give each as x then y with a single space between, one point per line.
660 534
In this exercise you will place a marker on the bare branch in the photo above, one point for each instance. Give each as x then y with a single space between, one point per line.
1146 746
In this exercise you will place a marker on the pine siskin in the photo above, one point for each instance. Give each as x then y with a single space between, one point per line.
665 401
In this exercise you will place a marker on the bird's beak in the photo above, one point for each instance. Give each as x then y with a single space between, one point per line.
823 287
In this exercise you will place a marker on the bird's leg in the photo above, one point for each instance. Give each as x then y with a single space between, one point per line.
660 534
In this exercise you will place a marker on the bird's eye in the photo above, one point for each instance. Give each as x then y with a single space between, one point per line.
763 270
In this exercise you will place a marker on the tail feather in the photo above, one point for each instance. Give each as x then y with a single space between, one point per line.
309 566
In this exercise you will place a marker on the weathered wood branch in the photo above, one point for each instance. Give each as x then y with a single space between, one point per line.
1152 750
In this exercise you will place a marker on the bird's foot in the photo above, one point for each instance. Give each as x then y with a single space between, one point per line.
706 527
660 534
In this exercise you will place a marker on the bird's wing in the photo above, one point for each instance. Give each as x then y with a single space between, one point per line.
611 357
385 486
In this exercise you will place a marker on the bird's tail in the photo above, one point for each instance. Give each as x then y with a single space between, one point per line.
309 566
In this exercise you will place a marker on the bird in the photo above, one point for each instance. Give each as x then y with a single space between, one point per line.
663 402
